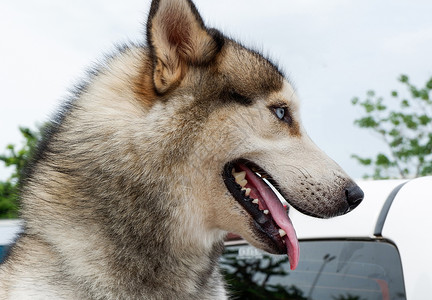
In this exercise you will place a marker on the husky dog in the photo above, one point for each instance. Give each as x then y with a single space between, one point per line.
158 155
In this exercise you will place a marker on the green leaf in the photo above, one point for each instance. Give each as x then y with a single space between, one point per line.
429 84
424 119
403 78
405 103
362 161
382 160
366 122
395 118
380 106
394 132
15 158
426 170
414 92
424 94
370 93
409 121
396 142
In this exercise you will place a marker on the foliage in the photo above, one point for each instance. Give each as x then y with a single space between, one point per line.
15 158
251 279
405 125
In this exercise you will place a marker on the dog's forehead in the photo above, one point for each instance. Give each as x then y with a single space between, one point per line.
248 72
286 94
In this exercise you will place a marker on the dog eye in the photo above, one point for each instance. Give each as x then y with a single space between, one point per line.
280 112
283 114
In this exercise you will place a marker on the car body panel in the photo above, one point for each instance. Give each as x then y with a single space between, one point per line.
409 223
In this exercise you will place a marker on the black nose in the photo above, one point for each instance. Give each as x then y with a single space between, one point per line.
354 195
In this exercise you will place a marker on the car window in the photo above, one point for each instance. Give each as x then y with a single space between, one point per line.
328 270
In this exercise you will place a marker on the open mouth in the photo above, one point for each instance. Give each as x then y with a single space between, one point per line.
245 181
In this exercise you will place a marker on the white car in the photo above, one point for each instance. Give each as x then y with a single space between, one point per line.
381 250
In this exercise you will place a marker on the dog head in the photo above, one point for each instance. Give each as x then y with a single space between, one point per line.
237 131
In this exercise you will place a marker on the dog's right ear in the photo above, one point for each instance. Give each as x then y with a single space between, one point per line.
177 39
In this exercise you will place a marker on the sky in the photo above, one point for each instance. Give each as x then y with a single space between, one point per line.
331 50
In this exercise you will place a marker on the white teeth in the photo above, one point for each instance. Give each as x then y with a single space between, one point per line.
239 176
243 182
266 211
248 190
255 201
282 232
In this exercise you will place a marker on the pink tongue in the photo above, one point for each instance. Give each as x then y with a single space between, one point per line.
278 213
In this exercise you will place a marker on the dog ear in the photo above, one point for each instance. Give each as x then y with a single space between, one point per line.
177 39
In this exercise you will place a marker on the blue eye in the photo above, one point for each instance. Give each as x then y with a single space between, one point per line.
283 114
280 112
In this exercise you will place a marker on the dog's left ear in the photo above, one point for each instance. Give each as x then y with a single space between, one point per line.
177 39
